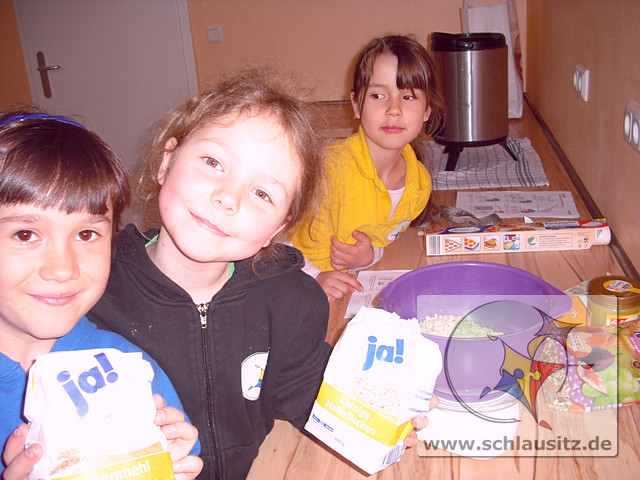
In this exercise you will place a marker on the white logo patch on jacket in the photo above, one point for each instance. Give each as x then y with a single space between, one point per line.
401 227
252 372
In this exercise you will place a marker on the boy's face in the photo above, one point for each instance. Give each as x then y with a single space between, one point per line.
226 191
54 267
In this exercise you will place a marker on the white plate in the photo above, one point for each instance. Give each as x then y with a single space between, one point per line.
481 435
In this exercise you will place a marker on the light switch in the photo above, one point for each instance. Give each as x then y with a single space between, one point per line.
214 34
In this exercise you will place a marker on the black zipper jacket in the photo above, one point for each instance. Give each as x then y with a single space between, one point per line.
256 352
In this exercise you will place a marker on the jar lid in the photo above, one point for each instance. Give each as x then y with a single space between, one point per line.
623 289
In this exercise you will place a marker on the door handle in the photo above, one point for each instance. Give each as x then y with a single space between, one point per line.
48 67
43 68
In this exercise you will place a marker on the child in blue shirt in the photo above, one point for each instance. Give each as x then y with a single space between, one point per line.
62 192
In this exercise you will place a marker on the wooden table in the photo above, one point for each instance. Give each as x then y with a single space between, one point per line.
289 454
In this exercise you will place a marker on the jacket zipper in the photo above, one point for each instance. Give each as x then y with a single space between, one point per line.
203 308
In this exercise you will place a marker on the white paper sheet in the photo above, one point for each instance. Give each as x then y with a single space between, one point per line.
510 204
373 283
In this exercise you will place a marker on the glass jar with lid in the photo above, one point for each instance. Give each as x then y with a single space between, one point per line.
613 299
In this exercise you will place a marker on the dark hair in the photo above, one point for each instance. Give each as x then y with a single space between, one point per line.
248 92
52 163
416 70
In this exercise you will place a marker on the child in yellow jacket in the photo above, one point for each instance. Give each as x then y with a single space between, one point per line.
377 186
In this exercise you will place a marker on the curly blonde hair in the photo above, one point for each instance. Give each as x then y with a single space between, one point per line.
252 91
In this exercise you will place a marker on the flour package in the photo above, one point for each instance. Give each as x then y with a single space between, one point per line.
92 411
380 375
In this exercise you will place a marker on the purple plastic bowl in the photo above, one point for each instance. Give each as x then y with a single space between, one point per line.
504 298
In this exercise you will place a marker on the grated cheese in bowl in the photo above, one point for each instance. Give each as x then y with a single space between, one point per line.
454 325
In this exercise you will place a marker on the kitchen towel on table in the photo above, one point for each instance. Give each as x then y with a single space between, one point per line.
486 167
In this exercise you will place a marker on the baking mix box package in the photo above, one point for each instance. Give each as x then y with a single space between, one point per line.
380 375
92 411
520 237
602 367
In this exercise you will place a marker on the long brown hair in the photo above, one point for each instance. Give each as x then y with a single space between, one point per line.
416 70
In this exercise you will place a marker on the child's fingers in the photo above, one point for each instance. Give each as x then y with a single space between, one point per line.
338 265
345 256
361 237
411 440
182 431
337 284
181 438
181 435
159 401
340 248
353 283
335 291
18 460
419 422
338 244
345 282
15 443
187 468
21 465
168 415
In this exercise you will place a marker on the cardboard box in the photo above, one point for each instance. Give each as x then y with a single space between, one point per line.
521 237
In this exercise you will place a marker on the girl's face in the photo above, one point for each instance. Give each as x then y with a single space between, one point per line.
227 190
54 268
390 117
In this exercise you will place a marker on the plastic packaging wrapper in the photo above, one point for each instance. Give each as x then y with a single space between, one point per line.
602 368
380 375
92 411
